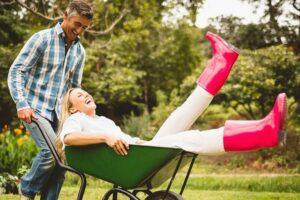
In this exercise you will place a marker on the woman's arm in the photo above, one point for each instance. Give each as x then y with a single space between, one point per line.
84 139
119 145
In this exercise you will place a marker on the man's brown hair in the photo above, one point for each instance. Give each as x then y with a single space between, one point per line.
81 8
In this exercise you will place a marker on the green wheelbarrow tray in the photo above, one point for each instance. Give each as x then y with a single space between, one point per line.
143 167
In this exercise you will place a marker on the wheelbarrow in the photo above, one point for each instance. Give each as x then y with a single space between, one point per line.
143 169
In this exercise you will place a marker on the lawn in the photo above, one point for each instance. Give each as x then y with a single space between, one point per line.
208 187
96 193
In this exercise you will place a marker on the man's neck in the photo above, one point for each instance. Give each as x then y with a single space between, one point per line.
69 42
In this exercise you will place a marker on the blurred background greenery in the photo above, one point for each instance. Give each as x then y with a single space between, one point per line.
143 67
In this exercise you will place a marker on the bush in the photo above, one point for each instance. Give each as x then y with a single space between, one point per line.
138 126
8 184
16 150
165 106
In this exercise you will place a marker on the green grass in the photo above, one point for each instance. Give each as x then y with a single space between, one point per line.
254 183
208 187
69 193
239 182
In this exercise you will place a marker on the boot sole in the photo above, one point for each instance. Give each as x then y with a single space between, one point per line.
282 129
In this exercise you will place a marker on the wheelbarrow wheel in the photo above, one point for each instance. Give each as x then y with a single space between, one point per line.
159 195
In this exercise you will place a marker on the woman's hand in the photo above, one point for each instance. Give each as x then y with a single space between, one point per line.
119 145
140 141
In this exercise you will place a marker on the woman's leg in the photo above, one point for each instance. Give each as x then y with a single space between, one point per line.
184 116
209 142
208 84
235 136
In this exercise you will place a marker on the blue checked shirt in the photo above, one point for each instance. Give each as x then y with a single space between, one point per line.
43 72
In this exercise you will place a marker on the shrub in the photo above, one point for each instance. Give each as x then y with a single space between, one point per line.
8 183
16 150
165 106
138 126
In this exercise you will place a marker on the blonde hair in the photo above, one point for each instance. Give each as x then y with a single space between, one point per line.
65 113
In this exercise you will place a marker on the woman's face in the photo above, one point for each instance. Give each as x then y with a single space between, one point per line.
82 101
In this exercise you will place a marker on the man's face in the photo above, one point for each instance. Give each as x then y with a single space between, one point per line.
75 25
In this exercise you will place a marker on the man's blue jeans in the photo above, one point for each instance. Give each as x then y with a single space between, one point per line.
44 176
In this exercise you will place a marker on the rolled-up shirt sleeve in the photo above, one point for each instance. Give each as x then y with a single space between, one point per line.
71 125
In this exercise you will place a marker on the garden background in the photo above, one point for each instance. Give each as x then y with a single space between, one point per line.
140 66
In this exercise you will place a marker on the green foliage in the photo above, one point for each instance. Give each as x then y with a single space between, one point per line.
12 31
141 58
5 100
23 170
258 77
165 107
8 183
16 150
255 36
113 85
138 126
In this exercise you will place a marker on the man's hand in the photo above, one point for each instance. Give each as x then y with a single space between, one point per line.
26 114
119 145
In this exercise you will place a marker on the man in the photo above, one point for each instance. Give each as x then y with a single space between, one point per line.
50 62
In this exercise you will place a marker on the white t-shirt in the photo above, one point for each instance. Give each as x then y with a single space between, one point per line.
82 123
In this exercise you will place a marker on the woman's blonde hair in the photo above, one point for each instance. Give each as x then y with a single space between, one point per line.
65 113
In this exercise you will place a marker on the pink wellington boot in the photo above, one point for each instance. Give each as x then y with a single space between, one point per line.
219 66
243 135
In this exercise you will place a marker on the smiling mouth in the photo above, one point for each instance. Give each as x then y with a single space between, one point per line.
88 101
75 34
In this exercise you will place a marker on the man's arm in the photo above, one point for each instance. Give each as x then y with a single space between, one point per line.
26 59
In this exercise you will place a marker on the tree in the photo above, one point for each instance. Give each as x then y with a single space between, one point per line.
157 57
258 77
12 32
282 34
244 36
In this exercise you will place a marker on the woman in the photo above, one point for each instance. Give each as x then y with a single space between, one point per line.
81 126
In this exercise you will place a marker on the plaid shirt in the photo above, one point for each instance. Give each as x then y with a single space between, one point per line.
43 72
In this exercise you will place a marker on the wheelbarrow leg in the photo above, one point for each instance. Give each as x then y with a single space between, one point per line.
82 186
174 174
188 174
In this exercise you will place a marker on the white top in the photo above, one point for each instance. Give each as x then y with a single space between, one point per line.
82 123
